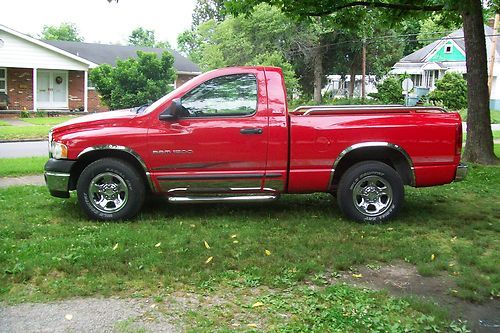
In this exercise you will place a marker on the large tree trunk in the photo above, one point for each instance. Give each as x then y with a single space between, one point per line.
318 73
479 145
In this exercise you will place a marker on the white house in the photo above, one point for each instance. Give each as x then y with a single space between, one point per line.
53 75
431 62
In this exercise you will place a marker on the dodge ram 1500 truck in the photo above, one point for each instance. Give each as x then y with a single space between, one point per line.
227 136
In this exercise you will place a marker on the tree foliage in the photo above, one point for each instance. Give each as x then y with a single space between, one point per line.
206 10
146 38
135 81
451 91
479 145
261 38
142 37
65 31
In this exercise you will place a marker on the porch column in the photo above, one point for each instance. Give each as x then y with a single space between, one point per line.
35 89
85 90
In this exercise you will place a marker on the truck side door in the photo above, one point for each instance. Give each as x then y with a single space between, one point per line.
219 139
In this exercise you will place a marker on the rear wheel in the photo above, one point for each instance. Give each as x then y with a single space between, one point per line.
370 191
110 189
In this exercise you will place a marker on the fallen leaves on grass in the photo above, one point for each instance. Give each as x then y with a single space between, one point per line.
115 247
268 253
257 304
208 260
206 244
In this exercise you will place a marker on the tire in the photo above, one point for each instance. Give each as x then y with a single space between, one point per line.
110 189
370 192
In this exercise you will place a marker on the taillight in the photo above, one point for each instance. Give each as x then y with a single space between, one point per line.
458 139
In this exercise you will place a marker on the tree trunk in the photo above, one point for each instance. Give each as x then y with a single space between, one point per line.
479 145
318 73
352 83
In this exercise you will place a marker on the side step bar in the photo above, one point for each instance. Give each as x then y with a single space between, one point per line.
214 199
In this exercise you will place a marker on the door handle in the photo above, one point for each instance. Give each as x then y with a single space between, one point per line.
251 131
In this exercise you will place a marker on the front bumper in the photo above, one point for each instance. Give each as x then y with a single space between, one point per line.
461 172
57 176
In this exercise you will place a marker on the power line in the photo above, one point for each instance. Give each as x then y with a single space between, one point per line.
367 40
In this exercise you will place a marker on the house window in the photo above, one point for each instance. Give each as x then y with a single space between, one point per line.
447 49
3 80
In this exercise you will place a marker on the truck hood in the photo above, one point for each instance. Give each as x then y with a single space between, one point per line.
110 118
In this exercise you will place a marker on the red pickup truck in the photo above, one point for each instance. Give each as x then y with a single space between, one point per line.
227 136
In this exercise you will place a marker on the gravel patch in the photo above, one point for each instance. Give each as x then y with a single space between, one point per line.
86 315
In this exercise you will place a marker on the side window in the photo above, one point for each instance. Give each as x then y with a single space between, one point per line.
3 80
225 96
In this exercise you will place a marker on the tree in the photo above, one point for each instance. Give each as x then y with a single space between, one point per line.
146 38
262 38
135 81
65 31
435 27
479 145
142 37
206 10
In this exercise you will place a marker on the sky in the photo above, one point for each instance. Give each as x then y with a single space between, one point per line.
99 21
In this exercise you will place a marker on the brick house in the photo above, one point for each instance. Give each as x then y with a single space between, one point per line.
53 75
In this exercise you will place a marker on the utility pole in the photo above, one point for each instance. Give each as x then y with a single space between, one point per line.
493 52
363 71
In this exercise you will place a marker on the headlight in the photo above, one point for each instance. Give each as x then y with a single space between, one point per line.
58 150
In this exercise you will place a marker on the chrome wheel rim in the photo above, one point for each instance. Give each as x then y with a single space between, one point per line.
108 192
372 195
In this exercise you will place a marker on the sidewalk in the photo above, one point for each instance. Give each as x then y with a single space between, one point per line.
23 180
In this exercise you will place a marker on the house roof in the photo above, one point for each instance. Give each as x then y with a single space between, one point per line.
456 36
45 45
109 54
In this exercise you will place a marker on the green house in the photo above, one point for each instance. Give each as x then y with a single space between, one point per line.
428 64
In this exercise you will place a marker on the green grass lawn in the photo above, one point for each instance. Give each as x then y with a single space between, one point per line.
50 250
494 115
24 132
47 120
10 167
3 123
39 131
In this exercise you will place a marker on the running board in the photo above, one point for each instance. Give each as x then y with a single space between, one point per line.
241 198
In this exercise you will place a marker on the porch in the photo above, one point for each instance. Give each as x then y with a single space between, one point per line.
44 89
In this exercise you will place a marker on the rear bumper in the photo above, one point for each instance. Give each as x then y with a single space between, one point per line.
461 172
57 175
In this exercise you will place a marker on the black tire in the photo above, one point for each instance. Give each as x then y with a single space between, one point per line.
110 189
370 191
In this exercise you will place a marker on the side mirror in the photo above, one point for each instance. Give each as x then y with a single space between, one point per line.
170 113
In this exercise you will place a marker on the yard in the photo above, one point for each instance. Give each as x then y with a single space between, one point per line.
35 128
279 266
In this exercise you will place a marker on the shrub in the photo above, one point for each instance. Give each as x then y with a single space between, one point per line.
389 91
134 82
451 91
24 114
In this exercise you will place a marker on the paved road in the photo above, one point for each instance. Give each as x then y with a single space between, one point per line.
24 149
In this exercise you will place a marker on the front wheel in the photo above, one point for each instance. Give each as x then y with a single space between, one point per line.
371 192
110 189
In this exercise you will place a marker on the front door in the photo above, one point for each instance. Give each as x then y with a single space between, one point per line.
219 141
52 89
